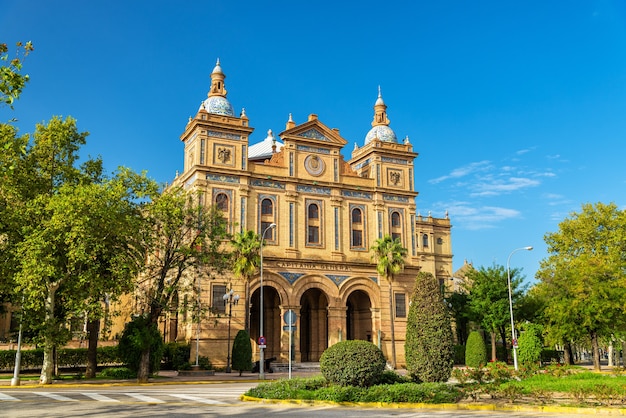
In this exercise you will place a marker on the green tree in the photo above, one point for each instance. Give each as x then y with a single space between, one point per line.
389 255
45 227
475 350
181 235
242 352
429 347
12 81
246 246
583 280
530 345
137 334
489 299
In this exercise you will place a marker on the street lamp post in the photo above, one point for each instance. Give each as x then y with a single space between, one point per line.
261 346
508 275
231 299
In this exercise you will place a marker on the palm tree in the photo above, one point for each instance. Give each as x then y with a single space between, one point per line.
246 245
389 256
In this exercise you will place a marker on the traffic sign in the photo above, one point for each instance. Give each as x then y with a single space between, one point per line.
290 317
262 340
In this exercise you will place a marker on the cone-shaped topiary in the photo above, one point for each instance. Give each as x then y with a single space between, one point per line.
242 352
353 363
429 347
475 350
530 345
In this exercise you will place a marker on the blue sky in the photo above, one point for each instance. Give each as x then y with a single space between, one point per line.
517 109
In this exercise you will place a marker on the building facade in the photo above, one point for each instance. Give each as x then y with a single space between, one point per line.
327 212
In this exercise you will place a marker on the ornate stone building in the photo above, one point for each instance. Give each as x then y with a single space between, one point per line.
328 212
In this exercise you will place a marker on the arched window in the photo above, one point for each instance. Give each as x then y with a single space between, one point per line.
425 240
395 220
356 238
396 225
222 202
267 207
313 224
314 211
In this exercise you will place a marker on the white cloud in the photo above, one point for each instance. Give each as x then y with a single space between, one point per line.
466 216
463 171
498 187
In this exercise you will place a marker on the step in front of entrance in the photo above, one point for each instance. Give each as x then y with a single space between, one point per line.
297 367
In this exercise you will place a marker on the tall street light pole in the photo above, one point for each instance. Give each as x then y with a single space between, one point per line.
508 275
261 337
231 299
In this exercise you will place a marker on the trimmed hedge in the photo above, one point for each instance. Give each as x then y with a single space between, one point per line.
353 363
475 350
66 357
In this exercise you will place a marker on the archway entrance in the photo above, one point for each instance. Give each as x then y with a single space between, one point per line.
313 325
359 316
271 319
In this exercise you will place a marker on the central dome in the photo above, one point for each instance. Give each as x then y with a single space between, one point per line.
383 133
218 105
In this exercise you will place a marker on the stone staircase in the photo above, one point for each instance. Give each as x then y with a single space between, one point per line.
307 367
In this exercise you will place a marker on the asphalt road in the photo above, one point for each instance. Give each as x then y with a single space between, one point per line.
193 400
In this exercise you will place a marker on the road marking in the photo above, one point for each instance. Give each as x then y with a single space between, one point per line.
196 399
145 398
4 397
99 397
55 396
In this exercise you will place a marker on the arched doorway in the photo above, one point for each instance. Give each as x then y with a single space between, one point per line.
313 325
359 316
271 319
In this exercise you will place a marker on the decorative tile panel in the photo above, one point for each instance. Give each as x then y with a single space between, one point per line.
394 198
225 135
316 150
314 134
356 195
222 178
290 277
267 183
314 190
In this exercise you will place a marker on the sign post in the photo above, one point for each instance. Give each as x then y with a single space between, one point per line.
290 318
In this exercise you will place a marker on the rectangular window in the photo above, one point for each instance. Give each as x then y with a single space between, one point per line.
217 297
202 150
314 235
400 305
357 238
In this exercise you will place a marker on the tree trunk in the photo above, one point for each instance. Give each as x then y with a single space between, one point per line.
47 369
144 366
247 307
567 354
393 331
494 358
93 329
596 351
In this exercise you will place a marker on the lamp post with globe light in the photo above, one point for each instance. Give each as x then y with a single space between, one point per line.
261 345
508 275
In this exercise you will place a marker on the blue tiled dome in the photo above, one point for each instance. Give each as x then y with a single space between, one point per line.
383 133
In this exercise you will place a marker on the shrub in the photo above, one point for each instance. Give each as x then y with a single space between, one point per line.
429 346
352 363
175 355
459 354
118 373
204 363
530 345
475 350
138 335
242 352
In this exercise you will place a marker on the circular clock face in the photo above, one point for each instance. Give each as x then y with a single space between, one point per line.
314 165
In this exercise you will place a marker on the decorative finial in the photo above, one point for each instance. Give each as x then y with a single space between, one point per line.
176 174
243 112
406 140
446 214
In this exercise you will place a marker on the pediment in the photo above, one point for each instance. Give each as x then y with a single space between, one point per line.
313 131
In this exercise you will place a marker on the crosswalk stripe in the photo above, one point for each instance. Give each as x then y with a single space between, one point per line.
196 399
5 397
145 398
99 397
55 396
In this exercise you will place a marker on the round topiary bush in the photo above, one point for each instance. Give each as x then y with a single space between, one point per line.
475 350
353 363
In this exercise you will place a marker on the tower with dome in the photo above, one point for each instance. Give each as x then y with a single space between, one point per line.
328 211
